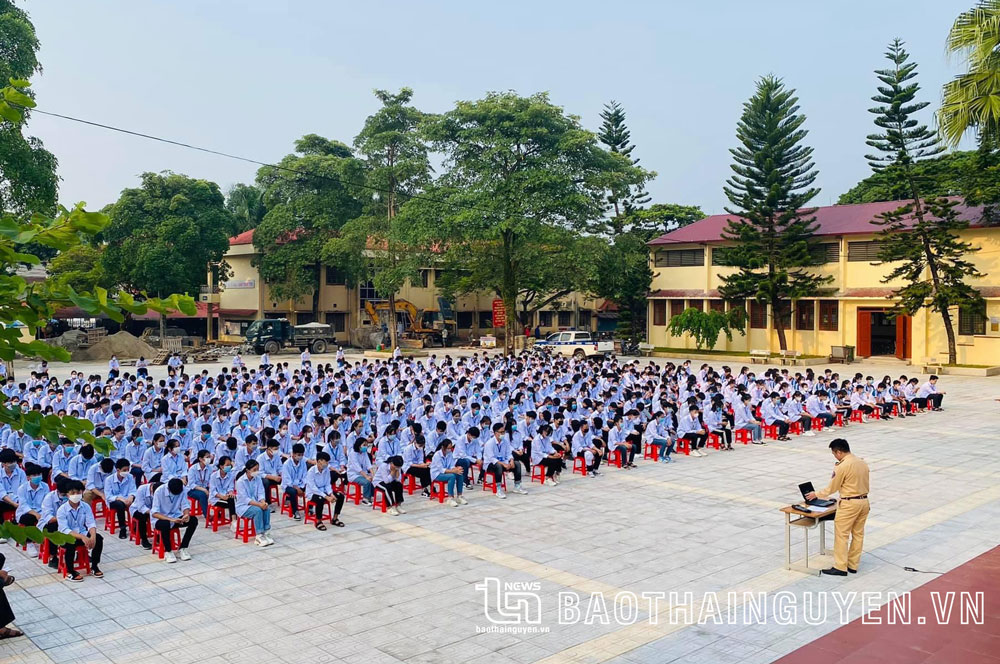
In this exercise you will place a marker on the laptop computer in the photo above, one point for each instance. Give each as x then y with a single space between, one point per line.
807 487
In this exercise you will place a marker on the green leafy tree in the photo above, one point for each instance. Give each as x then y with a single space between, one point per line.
80 268
770 189
941 175
972 100
163 235
309 196
923 234
32 304
661 218
515 167
706 326
623 276
624 197
245 203
382 245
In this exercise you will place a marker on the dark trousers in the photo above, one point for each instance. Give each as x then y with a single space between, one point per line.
142 519
7 511
552 465
422 474
393 492
121 514
319 501
782 428
697 440
229 504
6 613
594 465
935 399
497 471
293 498
69 553
165 526
828 419
725 436
267 490
806 422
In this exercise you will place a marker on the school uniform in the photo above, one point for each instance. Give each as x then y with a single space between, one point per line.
79 519
29 499
269 465
293 478
253 489
318 489
221 485
928 395
357 463
199 477
9 484
441 462
413 455
140 511
167 504
390 486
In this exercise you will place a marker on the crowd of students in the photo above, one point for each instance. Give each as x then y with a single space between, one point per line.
237 444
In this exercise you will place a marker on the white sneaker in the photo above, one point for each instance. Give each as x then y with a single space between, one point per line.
399 508
453 502
32 549
169 557
554 481
270 540
518 489
501 494
462 501
232 526
809 433
183 554
260 540
393 511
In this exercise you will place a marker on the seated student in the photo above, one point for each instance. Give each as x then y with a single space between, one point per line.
498 460
444 469
415 464
270 470
884 401
321 492
30 497
359 469
797 411
618 440
11 479
173 462
251 502
691 429
818 405
152 458
221 487
199 478
140 510
61 459
744 418
544 454
34 451
716 422
94 486
388 480
6 613
657 433
293 479
171 510
227 447
246 451
135 448
582 446
860 401
896 392
75 518
81 463
338 458
467 453
928 396
51 503
770 409
119 493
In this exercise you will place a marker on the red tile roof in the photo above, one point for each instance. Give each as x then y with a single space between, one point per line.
246 237
830 220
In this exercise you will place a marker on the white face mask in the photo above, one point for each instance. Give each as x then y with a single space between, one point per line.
75 498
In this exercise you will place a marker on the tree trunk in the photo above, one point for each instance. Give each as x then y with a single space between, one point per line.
508 295
163 329
779 326
390 213
315 295
393 336
932 266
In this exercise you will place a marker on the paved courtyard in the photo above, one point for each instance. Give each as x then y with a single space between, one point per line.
404 589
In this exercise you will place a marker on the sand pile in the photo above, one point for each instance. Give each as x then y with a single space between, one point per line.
123 344
70 340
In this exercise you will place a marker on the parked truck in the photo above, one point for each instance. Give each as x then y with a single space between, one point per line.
575 343
273 334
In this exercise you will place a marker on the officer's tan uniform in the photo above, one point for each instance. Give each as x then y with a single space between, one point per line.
850 479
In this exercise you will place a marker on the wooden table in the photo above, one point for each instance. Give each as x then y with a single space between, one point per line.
807 521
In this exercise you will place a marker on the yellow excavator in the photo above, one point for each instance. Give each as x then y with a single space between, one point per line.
427 325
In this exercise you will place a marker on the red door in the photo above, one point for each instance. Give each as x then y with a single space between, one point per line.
864 334
904 333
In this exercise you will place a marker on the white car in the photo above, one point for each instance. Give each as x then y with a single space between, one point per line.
575 343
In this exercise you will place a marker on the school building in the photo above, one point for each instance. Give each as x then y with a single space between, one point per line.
853 309
244 298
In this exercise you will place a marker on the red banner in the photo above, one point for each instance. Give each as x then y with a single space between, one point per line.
499 314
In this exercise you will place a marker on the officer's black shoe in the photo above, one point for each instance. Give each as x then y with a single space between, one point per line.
852 571
833 571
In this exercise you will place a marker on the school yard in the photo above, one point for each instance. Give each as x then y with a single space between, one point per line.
404 589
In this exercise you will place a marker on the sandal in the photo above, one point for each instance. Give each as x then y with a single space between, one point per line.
8 633
338 523
320 526
9 580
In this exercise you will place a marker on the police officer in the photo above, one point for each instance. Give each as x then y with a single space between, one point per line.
850 479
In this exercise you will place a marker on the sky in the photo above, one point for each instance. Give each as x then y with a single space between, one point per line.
249 77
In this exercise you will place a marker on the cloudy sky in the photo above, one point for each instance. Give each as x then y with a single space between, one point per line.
249 77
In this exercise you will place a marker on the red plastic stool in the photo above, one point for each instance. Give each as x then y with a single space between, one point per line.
795 427
538 473
379 500
579 465
651 451
743 436
684 445
714 441
218 516
134 534
354 492
287 504
175 541
857 416
245 528
771 431
439 490
273 494
44 553
617 457
490 482
817 424
895 409
195 507
111 521
409 484
310 512
80 564
99 508
914 408
839 421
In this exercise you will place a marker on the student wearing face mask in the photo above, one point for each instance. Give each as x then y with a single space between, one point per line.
251 503
94 486
152 459
140 511
135 448
321 493
221 488
119 494
293 480
30 496
62 458
388 480
199 476
76 519
11 479
173 462
416 465
36 452
797 411
171 510
270 470
359 469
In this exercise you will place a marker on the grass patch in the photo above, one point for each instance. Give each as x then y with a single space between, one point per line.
731 353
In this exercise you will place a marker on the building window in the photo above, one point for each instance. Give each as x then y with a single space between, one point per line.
584 319
680 258
366 292
437 275
335 276
564 318
758 315
305 319
425 278
717 305
971 322
659 312
863 252
829 312
485 319
696 304
827 252
718 256
676 307
338 320
785 311
805 315
464 319
545 319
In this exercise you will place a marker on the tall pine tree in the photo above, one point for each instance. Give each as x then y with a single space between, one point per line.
623 198
771 186
921 237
